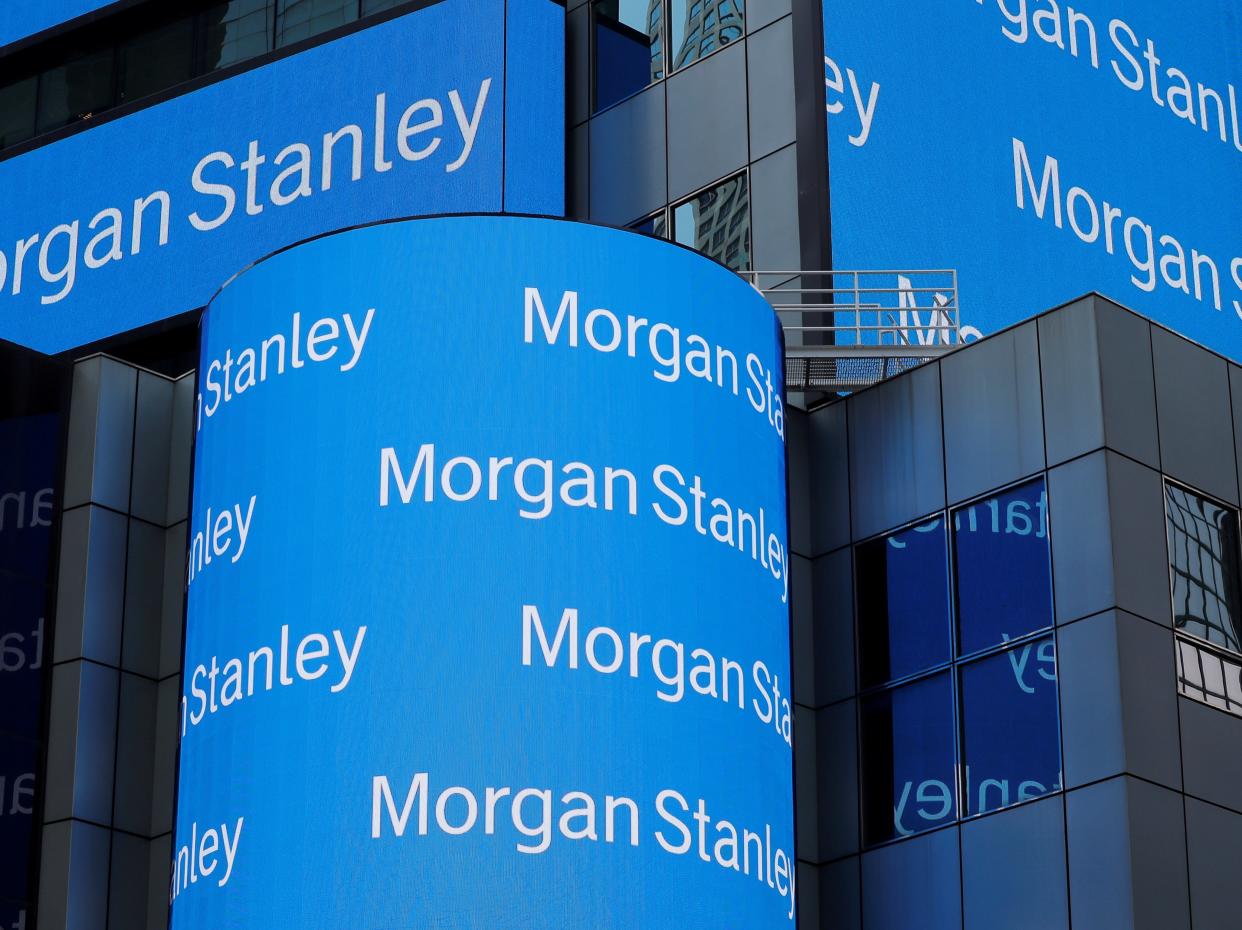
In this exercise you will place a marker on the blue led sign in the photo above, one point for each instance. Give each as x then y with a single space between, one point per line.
1042 150
456 107
488 589
20 19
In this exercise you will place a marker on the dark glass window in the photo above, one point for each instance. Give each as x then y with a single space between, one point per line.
76 90
17 773
17 111
157 60
22 649
654 225
1011 746
629 48
700 27
377 6
907 745
1204 562
300 19
1002 562
717 223
237 31
902 585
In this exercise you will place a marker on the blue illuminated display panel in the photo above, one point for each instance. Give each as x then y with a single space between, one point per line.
457 107
1043 150
20 19
488 582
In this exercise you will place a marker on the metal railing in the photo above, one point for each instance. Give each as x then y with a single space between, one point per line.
846 329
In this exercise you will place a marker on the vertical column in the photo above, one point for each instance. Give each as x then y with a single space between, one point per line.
116 650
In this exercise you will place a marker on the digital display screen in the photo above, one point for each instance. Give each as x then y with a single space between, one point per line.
22 18
488 615
1043 151
457 107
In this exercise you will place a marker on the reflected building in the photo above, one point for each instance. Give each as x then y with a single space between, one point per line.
1203 548
717 223
31 391
700 27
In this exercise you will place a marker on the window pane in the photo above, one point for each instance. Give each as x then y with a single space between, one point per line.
907 759
717 223
17 767
75 90
1201 674
17 111
1004 579
1204 561
1010 741
902 582
699 27
377 6
300 19
22 645
653 225
157 60
237 31
629 50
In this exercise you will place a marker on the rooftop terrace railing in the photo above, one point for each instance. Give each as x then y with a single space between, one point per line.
847 329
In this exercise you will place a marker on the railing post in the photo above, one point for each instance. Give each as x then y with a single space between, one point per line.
957 312
857 311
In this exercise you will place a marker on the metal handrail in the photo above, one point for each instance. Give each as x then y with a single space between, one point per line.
868 312
860 326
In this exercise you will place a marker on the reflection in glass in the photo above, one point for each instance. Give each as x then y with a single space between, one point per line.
157 59
236 31
22 648
17 111
699 27
629 48
75 90
906 740
1203 558
31 389
27 512
13 914
300 19
1004 578
717 223
1208 676
902 584
27 496
654 225
17 787
1011 746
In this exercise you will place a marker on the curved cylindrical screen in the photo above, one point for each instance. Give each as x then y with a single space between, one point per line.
488 589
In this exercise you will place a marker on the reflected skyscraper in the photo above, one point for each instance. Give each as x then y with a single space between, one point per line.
716 223
700 27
